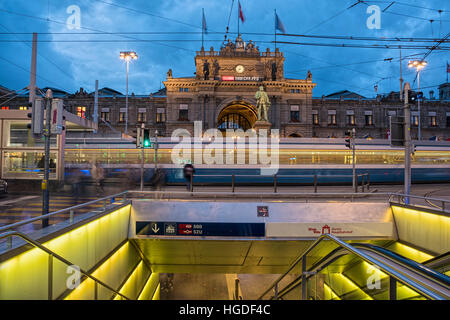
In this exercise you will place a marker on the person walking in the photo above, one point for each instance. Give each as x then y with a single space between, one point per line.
188 172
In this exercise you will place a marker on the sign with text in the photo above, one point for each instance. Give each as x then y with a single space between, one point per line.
209 229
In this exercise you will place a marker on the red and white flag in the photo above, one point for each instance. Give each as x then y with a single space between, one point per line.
241 14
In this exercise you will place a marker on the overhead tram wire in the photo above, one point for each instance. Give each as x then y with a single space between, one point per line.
334 37
408 4
28 71
372 46
42 56
14 92
87 28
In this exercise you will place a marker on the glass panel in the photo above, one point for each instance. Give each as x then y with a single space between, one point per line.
27 165
17 134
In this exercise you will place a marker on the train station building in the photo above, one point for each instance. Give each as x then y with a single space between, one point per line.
221 94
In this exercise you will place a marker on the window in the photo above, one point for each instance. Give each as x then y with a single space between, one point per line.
297 90
295 113
105 116
433 122
183 113
5 108
350 117
186 89
368 116
81 112
142 115
415 120
23 108
122 116
160 115
292 90
331 117
315 119
181 89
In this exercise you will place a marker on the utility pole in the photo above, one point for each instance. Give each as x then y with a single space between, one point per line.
32 86
47 135
156 149
354 159
401 79
407 131
141 136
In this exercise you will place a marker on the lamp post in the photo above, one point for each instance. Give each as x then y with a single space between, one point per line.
127 56
419 65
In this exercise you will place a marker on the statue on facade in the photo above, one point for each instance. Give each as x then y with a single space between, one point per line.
206 70
169 74
309 75
262 102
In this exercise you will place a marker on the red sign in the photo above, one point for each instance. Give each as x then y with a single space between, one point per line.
185 231
227 78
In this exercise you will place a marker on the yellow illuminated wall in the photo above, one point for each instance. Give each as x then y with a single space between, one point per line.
26 275
423 229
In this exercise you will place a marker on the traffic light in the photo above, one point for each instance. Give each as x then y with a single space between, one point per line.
348 140
396 125
146 139
413 149
37 117
419 95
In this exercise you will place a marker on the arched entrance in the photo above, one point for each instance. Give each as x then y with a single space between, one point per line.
237 115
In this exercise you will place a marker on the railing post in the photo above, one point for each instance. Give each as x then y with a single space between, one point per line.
104 205
362 182
124 197
276 291
50 277
443 205
96 290
315 183
236 289
275 183
232 183
356 184
71 216
392 288
304 284
368 182
192 182
9 242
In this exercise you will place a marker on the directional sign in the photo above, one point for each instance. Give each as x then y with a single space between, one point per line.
211 229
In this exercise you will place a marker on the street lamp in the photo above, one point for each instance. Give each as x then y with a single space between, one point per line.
127 56
419 65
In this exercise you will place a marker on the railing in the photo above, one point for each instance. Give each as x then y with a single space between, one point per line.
394 276
365 180
401 198
52 255
71 211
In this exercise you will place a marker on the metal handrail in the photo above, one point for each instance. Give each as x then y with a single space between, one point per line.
385 268
57 256
401 195
46 216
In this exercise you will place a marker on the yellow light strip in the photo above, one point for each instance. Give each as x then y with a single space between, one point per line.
354 285
148 285
332 294
130 281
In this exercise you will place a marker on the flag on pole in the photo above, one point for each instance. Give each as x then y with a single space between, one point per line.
241 14
278 24
204 27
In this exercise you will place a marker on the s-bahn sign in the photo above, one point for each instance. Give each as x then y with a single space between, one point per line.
208 229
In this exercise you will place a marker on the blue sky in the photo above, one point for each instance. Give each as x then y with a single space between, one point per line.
71 65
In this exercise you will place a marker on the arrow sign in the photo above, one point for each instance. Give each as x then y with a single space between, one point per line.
155 228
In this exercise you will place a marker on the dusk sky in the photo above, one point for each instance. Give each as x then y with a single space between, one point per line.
68 65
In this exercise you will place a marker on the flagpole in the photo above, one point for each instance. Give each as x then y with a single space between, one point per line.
239 12
203 20
275 28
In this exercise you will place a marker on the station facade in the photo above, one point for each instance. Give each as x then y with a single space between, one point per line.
222 95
